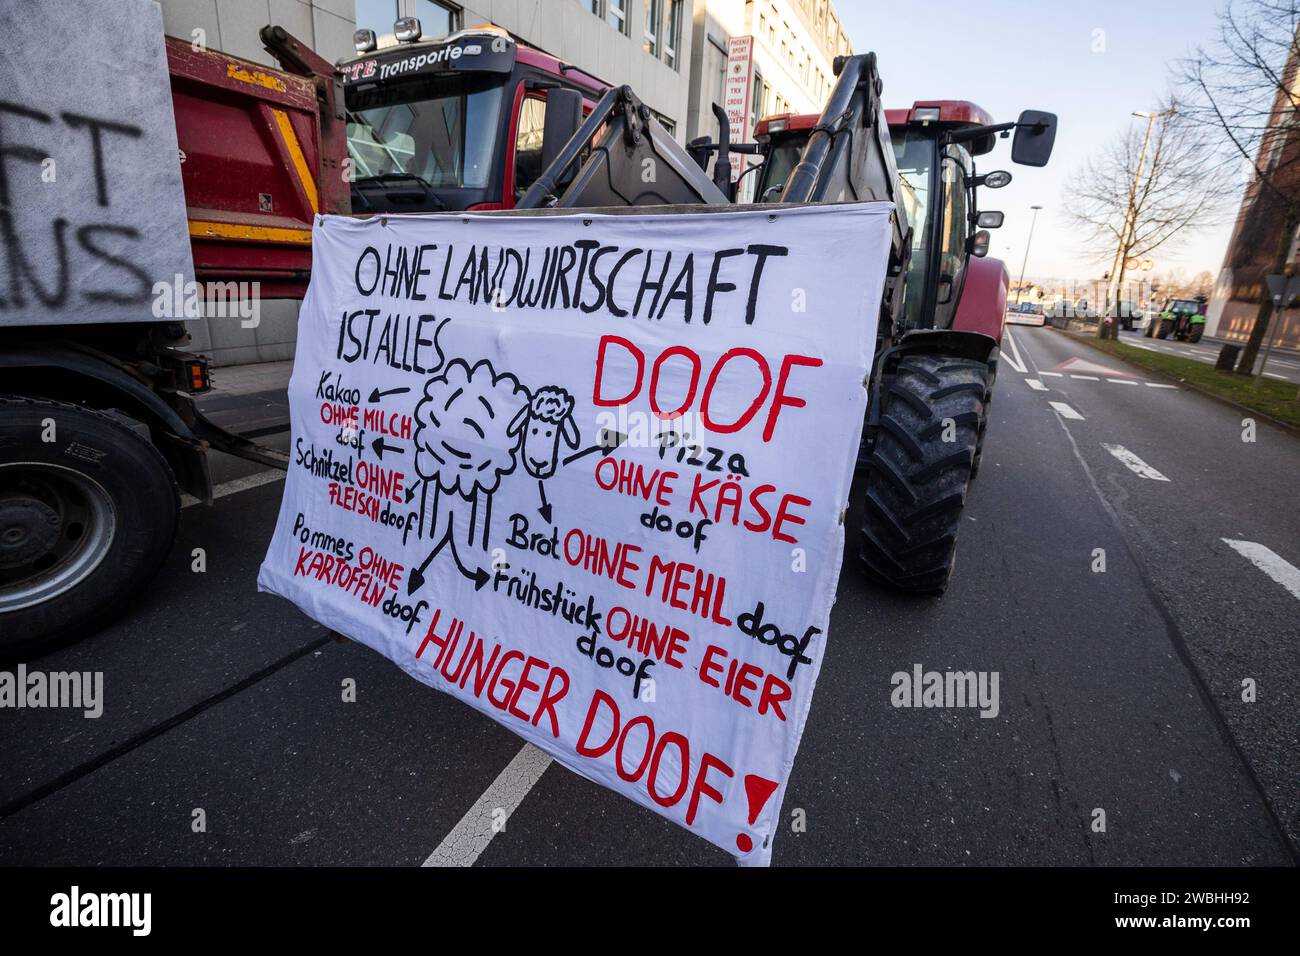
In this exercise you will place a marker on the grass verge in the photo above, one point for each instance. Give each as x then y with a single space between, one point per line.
1269 397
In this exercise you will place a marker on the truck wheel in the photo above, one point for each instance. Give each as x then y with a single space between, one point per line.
916 482
88 511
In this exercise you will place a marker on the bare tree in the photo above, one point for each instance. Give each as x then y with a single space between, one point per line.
1240 91
1144 189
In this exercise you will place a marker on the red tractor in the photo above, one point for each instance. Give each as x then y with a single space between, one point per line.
938 357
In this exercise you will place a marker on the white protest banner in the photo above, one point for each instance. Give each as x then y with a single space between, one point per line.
586 473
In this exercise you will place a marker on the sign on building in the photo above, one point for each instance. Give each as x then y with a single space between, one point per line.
739 89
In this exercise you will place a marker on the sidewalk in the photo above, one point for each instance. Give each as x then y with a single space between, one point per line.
1277 349
249 400
247 379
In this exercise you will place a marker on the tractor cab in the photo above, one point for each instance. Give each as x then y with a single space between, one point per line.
934 144
455 123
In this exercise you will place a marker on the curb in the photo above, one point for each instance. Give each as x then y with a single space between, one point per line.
1293 430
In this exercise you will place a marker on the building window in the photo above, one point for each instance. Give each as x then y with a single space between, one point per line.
616 14
593 6
756 103
673 33
437 19
653 16
663 30
377 15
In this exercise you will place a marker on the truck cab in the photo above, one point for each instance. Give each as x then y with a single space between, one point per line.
454 123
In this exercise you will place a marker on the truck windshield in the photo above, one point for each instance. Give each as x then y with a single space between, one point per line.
442 129
914 156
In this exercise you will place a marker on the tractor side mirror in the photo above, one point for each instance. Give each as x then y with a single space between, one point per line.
1035 135
563 117
989 219
978 244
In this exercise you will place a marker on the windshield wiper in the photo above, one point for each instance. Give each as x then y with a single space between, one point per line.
426 187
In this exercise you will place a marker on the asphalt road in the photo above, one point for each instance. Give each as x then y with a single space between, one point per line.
1120 690
1283 365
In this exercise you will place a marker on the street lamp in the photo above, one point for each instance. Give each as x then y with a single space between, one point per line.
1020 286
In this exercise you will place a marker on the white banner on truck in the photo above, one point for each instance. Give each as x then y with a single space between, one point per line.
587 474
92 213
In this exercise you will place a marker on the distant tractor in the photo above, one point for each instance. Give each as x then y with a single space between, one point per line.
1184 319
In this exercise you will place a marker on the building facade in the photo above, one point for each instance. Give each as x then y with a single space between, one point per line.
1261 230
646 44
787 67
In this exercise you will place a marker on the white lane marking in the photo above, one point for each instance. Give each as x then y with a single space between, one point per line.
1275 375
470 837
1036 385
1284 364
236 485
1086 378
1016 363
1159 385
1123 381
1147 347
1276 567
1052 374
1065 411
1133 463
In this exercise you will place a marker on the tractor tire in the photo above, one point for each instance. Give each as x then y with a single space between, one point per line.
1195 334
1150 330
916 482
88 512
1166 328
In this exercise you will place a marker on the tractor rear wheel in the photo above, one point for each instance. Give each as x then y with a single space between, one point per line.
920 469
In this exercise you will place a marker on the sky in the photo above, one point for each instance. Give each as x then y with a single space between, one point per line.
1008 56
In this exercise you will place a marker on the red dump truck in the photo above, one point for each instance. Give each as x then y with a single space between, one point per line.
99 432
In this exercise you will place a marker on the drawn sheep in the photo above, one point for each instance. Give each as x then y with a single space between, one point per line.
543 421
463 445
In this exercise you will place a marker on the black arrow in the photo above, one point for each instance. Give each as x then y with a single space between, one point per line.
415 580
380 446
410 493
545 509
376 394
609 440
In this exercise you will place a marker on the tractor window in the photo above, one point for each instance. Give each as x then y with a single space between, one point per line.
528 143
914 156
780 163
441 129
956 208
